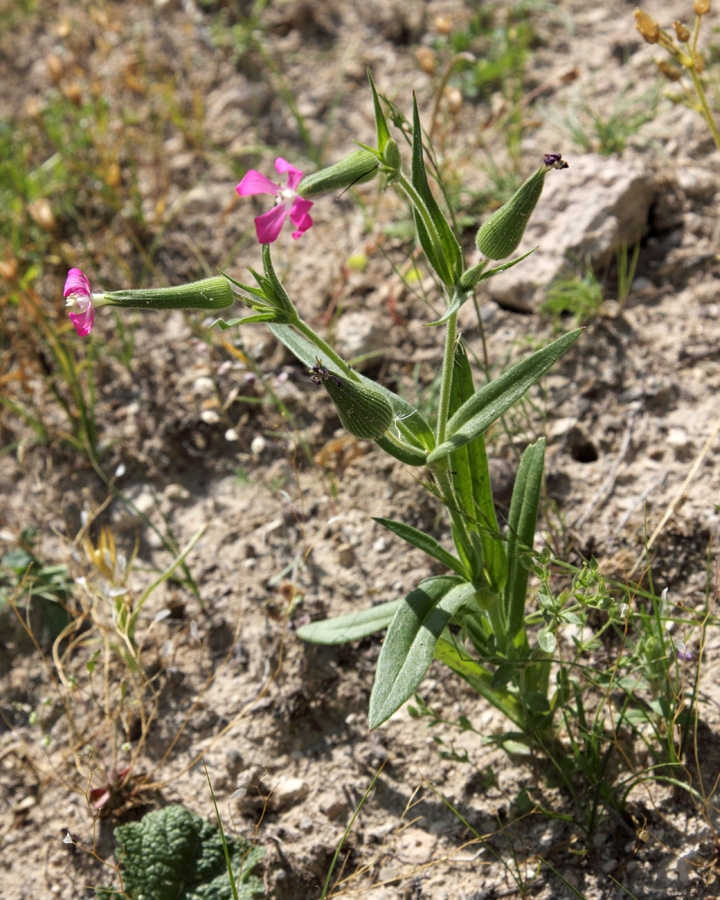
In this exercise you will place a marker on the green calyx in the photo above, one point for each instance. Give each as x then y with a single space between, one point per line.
357 168
364 411
210 293
500 235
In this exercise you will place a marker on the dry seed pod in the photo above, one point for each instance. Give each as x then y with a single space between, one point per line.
668 70
363 411
701 7
426 59
681 31
647 26
500 235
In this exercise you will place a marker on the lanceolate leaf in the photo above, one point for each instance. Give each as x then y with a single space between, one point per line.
424 542
521 533
351 627
443 245
472 478
457 298
410 643
480 679
476 415
381 126
466 288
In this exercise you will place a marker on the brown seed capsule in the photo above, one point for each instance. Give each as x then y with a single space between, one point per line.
700 7
682 31
647 26
668 70
426 59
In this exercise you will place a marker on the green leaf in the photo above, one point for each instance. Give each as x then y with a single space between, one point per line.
441 248
351 627
522 522
474 276
469 281
472 478
536 702
407 455
503 675
424 542
547 641
381 126
457 299
410 642
270 316
480 679
476 415
174 854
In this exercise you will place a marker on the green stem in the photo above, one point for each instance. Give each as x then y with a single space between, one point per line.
442 477
446 378
706 111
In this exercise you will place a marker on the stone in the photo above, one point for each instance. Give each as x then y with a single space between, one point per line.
697 182
333 804
359 334
345 555
287 792
585 212
141 502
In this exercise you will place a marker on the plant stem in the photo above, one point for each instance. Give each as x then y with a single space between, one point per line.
444 482
705 106
446 378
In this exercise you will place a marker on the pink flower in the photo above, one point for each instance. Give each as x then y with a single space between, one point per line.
287 202
77 296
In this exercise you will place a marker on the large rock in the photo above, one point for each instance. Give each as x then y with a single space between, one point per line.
585 212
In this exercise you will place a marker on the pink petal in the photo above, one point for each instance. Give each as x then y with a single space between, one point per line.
299 216
294 175
83 322
76 283
102 799
269 224
254 182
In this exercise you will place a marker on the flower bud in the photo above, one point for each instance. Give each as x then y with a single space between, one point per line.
357 168
647 26
700 7
500 235
210 293
681 31
391 155
363 410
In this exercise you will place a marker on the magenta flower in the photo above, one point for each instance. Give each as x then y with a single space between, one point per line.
77 296
287 202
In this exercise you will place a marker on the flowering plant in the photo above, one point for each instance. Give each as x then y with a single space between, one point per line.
472 618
